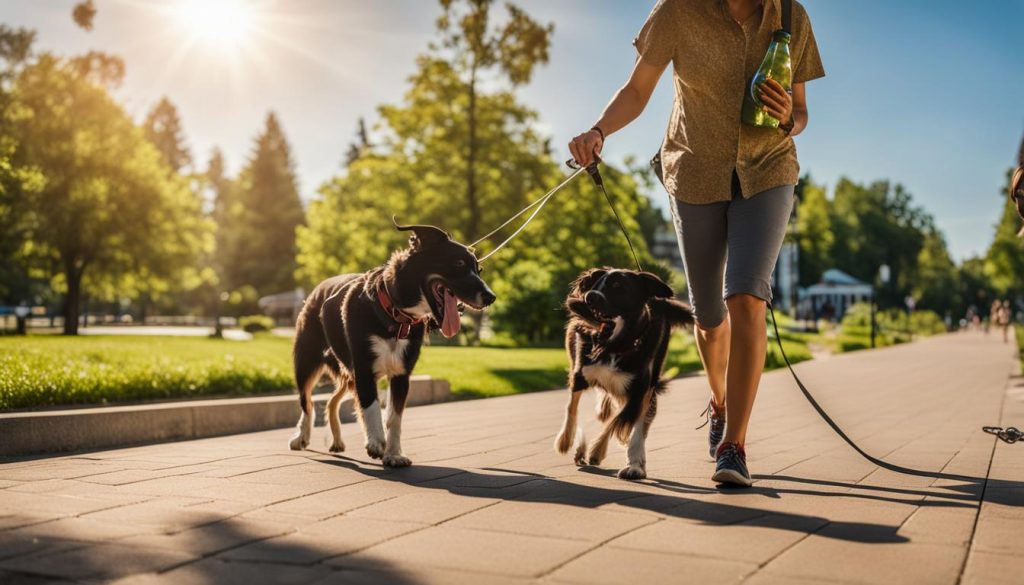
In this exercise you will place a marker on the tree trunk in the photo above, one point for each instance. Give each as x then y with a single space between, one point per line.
473 225
143 308
73 300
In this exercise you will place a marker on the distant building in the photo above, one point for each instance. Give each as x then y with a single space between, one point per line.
666 248
831 297
283 307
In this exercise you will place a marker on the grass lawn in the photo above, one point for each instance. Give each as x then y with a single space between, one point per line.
44 370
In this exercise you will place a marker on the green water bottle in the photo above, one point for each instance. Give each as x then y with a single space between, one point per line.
776 65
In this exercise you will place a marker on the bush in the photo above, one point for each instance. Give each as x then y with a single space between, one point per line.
256 323
529 306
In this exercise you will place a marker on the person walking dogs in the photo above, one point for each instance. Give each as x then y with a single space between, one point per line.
731 183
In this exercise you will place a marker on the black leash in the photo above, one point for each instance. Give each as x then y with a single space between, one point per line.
595 175
1009 435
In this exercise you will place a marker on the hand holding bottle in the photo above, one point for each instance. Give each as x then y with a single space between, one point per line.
777 101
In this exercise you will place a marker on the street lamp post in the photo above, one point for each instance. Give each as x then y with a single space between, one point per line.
883 278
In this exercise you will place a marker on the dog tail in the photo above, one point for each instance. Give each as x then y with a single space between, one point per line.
632 411
604 407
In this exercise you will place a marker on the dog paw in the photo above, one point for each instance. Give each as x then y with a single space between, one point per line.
375 448
580 457
298 443
594 459
632 472
336 447
396 461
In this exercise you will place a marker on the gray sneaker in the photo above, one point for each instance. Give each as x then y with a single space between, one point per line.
731 465
716 427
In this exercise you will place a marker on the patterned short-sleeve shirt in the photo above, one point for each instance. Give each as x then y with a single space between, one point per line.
713 61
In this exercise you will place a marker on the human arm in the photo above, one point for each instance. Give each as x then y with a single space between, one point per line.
625 106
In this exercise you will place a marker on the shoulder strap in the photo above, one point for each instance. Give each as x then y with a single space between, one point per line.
787 16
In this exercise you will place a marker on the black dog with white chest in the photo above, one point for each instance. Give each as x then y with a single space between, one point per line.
360 328
617 339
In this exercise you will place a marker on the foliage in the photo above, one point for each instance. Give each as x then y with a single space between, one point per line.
93 370
1004 261
48 370
108 214
814 231
529 296
84 13
892 326
256 323
472 49
258 215
163 128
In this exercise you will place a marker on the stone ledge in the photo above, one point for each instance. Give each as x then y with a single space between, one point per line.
90 429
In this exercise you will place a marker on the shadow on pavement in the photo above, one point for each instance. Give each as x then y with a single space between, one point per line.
529 487
223 551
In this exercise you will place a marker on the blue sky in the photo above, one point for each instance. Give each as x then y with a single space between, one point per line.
925 93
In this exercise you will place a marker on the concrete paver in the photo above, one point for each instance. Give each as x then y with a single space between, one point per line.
488 501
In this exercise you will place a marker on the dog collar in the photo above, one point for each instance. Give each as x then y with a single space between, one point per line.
401 323
624 348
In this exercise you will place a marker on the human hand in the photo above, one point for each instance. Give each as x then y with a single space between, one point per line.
585 147
777 101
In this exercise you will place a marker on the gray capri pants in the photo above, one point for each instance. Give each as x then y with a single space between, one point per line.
749 232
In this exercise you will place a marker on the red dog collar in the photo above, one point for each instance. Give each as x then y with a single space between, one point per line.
403 321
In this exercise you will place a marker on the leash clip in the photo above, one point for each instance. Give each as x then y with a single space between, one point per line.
1007 435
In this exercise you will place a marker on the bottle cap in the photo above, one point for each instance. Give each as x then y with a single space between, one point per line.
781 36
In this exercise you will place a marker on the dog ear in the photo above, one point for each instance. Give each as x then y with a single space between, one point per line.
655 286
577 306
423 235
587 280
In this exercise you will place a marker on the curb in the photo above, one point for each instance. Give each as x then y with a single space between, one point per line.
92 429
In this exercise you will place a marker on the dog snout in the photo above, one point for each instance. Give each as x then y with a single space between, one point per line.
596 300
487 297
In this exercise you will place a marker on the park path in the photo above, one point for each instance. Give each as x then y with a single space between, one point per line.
488 501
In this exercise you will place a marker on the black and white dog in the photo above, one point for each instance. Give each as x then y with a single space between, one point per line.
617 338
360 328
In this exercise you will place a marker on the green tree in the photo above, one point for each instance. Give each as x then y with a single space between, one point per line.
15 180
814 231
874 225
472 49
163 128
1004 261
257 224
935 280
109 213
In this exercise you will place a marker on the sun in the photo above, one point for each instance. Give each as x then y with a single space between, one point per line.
218 24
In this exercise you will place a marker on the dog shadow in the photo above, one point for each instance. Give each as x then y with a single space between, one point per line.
521 486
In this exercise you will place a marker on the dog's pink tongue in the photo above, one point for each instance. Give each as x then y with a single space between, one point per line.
452 321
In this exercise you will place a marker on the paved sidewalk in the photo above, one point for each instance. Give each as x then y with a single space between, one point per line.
488 501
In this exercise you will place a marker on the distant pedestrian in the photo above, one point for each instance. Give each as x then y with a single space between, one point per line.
1004 318
993 315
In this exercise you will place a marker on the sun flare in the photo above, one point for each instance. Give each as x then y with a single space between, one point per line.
216 23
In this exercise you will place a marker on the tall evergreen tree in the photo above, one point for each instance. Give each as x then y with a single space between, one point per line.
163 128
264 210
